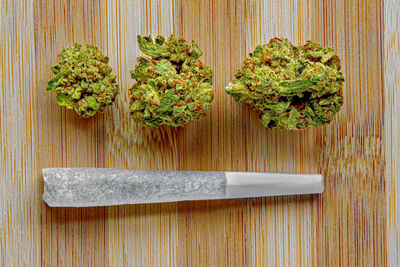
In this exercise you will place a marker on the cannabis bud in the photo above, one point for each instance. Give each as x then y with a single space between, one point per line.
173 87
83 80
291 87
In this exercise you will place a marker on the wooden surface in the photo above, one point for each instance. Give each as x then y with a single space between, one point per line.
353 223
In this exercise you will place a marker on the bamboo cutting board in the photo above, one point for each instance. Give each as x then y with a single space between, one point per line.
353 223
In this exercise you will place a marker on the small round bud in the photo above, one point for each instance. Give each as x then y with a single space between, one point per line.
83 80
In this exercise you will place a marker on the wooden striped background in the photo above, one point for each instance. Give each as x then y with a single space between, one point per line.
353 223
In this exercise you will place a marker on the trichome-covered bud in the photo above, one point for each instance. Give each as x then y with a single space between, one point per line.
291 87
83 80
173 87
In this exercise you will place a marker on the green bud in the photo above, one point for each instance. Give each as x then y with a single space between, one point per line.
83 80
173 87
290 87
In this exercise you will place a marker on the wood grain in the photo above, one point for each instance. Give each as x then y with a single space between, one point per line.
353 223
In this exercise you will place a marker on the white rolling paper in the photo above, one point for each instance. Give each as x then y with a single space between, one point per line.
85 187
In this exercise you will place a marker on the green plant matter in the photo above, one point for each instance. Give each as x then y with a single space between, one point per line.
173 87
291 87
83 80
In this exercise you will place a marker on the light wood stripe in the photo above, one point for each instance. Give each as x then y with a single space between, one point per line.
19 183
392 119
